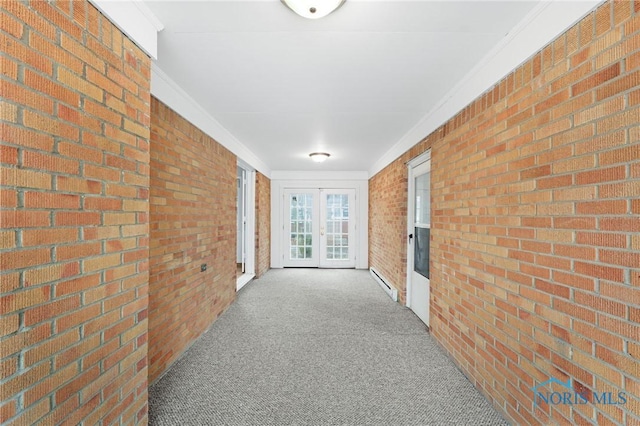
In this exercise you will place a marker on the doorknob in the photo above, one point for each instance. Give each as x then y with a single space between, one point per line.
410 236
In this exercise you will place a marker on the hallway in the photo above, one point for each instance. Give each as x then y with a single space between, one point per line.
307 346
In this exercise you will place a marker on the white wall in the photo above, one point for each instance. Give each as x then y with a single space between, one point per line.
321 180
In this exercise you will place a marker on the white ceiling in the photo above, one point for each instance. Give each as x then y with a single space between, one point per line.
352 84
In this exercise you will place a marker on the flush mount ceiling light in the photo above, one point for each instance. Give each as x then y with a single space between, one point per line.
319 157
313 9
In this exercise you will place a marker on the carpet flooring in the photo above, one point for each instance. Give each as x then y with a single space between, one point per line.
316 347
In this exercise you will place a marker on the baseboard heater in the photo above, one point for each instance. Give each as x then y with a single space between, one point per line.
392 292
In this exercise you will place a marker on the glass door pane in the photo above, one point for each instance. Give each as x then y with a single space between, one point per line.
301 228
337 227
301 214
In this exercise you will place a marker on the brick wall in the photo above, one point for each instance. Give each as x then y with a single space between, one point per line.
535 256
192 221
74 237
263 224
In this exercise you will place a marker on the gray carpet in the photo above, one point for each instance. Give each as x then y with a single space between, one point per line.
316 347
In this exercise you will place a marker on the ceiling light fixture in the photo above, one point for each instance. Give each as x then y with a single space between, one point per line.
319 157
313 9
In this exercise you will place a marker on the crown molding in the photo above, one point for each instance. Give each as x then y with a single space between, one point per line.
136 20
319 175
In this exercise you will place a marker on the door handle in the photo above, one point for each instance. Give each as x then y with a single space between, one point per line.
410 236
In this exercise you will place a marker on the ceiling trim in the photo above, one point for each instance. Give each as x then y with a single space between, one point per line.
318 175
136 20
171 94
541 26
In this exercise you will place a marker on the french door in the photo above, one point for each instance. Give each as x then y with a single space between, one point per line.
419 231
319 228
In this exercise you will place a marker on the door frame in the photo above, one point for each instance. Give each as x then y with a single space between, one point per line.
315 180
411 217
323 262
314 261
319 259
250 229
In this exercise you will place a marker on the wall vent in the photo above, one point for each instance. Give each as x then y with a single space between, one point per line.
391 291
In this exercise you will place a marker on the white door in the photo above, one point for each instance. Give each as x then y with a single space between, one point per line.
319 228
337 228
419 231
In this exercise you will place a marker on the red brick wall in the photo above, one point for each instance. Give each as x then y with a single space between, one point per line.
193 221
535 252
74 218
263 224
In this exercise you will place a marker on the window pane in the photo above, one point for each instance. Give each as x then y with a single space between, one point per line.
423 201
421 252
300 206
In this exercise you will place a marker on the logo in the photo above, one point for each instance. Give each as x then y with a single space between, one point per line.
569 396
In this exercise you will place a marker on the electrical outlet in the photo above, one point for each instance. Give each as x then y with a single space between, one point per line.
203 267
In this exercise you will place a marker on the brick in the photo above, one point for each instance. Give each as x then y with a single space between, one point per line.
25 258
45 114
27 56
21 178
49 273
620 224
601 174
100 80
78 118
50 310
48 236
102 262
8 155
78 251
76 318
8 112
53 15
49 347
87 56
596 79
8 240
622 155
73 184
32 414
102 204
25 137
102 112
52 89
50 51
76 151
39 161
629 81
9 68
76 285
76 218
598 271
70 79
49 125
601 239
25 97
77 384
41 200
599 304
626 118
